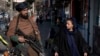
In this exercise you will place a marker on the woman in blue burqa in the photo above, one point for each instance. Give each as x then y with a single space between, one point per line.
69 41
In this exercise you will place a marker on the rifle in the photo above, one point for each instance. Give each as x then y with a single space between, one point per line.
9 51
31 41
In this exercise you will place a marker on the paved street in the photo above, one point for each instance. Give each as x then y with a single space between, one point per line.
44 30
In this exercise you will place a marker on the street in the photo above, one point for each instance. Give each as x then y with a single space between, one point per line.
85 14
44 31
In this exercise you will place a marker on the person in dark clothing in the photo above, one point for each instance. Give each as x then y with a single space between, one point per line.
69 41
55 28
41 19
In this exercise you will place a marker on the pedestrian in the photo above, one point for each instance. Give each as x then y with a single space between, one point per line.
53 31
26 25
69 41
41 19
56 27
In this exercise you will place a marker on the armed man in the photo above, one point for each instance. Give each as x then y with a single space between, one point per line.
27 26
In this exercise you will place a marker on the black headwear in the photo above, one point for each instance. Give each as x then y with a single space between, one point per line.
21 6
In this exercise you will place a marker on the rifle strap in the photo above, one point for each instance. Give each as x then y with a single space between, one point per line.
17 24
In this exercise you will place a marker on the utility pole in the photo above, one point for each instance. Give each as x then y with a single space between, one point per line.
33 7
11 9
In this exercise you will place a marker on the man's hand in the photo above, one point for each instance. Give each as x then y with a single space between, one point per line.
21 39
85 54
56 54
